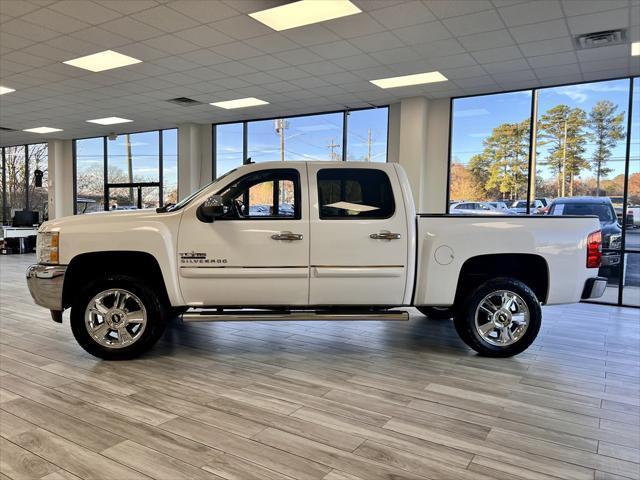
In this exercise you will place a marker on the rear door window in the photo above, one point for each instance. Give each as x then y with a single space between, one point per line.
350 193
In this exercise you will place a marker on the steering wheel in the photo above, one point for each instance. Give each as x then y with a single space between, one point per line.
237 207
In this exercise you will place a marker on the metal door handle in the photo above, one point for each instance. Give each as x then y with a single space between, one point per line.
385 235
287 236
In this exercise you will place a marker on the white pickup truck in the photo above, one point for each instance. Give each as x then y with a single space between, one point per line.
310 241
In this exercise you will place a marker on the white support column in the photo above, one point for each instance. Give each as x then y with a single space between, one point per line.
418 140
60 172
194 157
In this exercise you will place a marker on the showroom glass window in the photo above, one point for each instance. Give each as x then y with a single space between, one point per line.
229 147
325 136
584 161
18 190
490 148
367 132
125 167
311 137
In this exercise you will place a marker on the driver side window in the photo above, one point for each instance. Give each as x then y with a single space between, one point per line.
268 194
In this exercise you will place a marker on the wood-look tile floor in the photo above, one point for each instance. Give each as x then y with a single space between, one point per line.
332 401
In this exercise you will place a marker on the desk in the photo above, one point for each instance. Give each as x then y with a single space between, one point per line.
18 232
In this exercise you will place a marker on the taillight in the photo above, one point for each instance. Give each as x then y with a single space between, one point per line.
594 249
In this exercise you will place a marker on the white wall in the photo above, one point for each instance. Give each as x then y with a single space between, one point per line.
60 171
418 140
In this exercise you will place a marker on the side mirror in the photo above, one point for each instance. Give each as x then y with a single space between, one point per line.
211 209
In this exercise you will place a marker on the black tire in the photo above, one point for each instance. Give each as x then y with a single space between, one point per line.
437 313
155 317
465 319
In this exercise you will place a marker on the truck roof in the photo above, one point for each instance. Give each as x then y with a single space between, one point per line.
601 200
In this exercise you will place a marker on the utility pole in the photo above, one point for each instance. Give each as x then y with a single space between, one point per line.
369 146
333 145
281 125
564 160
127 140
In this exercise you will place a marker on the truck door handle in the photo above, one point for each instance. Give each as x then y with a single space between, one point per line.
385 235
287 236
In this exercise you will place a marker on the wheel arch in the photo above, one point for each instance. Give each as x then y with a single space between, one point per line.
92 265
530 269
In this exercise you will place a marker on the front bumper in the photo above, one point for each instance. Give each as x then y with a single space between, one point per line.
594 288
45 285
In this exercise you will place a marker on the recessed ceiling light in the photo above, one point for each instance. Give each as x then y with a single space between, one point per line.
240 103
406 80
109 120
42 130
101 61
635 49
304 12
4 90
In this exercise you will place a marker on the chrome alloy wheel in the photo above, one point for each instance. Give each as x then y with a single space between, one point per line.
115 318
502 318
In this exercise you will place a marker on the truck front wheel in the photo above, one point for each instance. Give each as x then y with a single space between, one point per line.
117 318
500 318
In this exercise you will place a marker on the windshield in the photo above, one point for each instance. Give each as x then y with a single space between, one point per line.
602 211
186 201
520 205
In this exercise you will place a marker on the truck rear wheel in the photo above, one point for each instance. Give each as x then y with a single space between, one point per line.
437 313
117 318
500 318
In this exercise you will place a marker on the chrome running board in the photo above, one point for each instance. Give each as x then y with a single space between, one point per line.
294 316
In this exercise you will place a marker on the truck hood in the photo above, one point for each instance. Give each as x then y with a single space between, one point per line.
87 221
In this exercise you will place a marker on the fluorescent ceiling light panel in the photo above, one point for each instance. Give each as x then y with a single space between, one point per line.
635 49
240 103
4 90
101 61
109 120
304 12
42 130
407 80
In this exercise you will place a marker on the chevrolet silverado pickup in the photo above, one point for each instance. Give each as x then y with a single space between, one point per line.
310 241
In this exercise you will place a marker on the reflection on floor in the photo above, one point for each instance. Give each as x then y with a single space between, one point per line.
333 401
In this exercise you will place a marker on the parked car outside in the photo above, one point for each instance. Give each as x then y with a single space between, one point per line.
611 230
520 207
474 208
502 206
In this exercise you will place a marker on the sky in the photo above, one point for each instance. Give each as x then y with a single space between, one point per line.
475 117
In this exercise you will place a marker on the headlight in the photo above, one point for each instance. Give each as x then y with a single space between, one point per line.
47 247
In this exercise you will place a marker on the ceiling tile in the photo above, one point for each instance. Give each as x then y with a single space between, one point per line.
203 11
602 53
531 12
605 64
165 19
499 68
241 27
497 54
439 48
447 8
272 43
204 36
354 26
356 62
205 57
55 21
339 49
17 8
453 61
424 33
580 7
403 15
34 33
265 62
234 68
90 12
597 22
104 39
540 31
127 7
474 23
171 44
321 68
544 47
487 40
298 56
131 28
556 70
377 42
553 59
311 35
237 50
